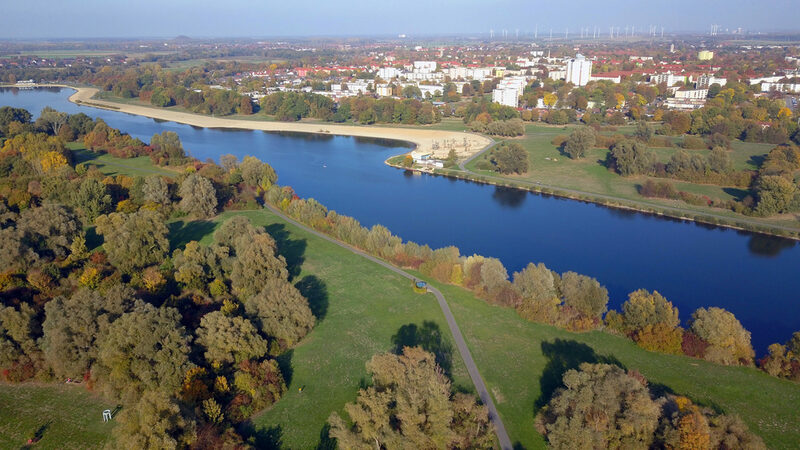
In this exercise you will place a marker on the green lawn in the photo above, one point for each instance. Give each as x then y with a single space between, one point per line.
64 416
518 359
362 306
548 166
110 165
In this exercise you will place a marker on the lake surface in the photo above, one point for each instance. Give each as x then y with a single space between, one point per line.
754 276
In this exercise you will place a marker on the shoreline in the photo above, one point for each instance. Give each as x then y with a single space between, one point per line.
424 140
421 140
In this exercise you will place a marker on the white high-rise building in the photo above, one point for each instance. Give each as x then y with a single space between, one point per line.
508 96
579 70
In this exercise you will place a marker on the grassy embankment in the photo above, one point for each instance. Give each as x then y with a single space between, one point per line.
362 306
552 172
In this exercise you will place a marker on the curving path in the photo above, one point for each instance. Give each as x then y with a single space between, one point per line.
461 344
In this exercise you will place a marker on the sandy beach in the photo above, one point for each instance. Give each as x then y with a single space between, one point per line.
425 140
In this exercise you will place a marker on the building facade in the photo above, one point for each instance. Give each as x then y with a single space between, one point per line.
579 70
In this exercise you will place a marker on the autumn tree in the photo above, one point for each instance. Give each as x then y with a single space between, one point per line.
630 158
281 312
167 146
509 158
73 326
538 286
198 196
256 173
49 230
579 142
600 406
143 350
774 194
729 342
644 308
584 294
410 405
155 421
229 339
156 190
134 241
255 264
92 199
198 265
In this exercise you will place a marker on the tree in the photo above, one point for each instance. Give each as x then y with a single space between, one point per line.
49 230
92 199
156 190
233 229
229 339
146 349
155 421
630 158
197 265
256 264
643 131
579 142
52 120
584 294
774 195
73 325
198 196
538 287
256 173
550 99
168 146
281 312
644 308
229 162
510 158
408 405
729 342
719 161
134 241
600 406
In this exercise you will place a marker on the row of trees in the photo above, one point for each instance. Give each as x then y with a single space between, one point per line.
569 300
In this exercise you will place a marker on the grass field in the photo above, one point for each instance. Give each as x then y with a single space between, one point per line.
63 416
110 165
548 166
361 306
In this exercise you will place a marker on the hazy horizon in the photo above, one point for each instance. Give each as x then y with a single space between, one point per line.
73 19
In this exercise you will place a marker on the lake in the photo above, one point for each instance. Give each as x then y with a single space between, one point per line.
754 276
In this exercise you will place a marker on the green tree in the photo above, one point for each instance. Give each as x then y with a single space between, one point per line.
281 312
156 421
584 294
775 194
538 287
146 349
92 199
729 342
229 339
198 196
49 230
579 142
197 265
256 264
630 158
408 406
167 146
510 158
719 161
643 131
600 406
134 241
73 325
256 173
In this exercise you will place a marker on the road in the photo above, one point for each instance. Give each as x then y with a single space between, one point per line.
461 344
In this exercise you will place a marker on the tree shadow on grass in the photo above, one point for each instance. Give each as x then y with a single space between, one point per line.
291 249
263 438
563 355
316 292
181 233
326 442
285 366
737 193
429 337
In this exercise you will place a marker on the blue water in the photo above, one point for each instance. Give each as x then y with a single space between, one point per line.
754 276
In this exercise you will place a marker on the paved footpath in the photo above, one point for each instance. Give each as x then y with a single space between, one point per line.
480 387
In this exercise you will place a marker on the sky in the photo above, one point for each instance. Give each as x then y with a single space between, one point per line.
29 19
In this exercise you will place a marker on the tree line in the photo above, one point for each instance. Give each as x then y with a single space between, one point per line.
571 301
